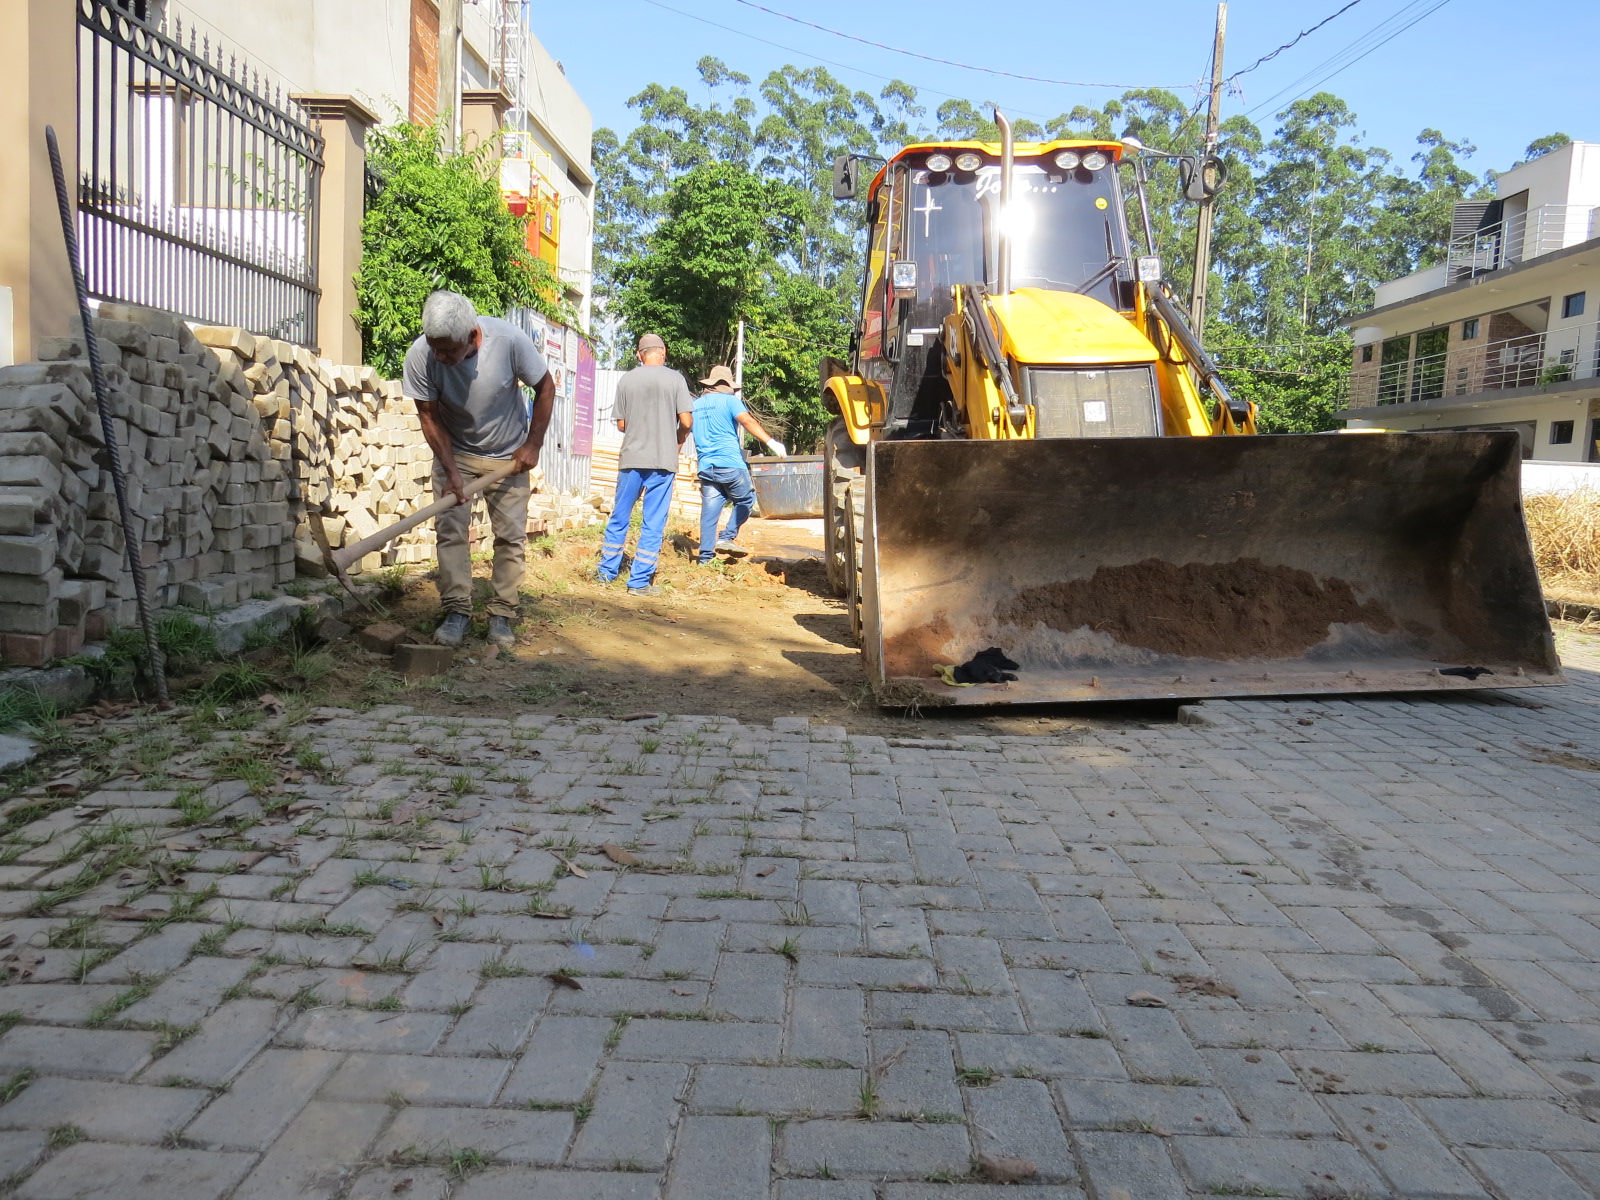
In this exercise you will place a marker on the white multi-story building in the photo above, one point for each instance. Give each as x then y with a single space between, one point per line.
1502 334
384 53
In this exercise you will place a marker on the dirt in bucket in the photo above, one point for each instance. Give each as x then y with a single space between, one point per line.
1240 609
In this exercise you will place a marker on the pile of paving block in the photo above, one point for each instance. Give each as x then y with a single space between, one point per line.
225 440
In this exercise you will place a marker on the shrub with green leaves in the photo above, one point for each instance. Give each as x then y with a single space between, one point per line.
439 221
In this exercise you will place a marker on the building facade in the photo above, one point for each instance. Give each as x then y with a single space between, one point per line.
385 55
1502 334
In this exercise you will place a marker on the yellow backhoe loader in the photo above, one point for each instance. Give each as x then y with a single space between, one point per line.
1034 452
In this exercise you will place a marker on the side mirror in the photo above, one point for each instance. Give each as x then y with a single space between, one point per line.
903 275
1202 178
846 176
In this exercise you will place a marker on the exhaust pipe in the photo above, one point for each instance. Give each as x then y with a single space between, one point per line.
1008 154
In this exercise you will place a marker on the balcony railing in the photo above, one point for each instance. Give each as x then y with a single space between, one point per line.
1542 230
1528 360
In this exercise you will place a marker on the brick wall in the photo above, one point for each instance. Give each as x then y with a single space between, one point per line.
424 91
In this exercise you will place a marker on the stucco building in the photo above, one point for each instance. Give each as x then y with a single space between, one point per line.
1502 334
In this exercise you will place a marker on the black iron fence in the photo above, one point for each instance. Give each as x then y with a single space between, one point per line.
198 181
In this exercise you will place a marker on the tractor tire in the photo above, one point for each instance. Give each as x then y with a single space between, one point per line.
855 511
843 462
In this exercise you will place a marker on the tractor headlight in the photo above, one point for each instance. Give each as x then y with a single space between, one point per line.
938 162
1095 159
968 161
1067 160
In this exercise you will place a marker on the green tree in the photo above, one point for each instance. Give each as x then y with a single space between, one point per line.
439 221
722 253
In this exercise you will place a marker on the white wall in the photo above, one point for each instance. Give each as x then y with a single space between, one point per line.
1542 412
1538 476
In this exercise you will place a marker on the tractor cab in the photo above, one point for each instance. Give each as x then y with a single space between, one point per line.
934 219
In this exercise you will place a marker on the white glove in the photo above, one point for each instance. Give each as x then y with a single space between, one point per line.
777 448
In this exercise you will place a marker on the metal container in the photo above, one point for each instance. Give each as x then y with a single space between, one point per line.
788 487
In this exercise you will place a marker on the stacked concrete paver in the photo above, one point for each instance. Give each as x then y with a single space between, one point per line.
845 967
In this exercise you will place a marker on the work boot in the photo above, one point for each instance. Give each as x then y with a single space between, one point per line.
500 632
452 629
648 589
731 548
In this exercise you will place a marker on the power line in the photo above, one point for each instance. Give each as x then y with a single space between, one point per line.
1299 37
1355 44
930 58
828 61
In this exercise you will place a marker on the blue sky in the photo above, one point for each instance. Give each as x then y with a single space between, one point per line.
1468 68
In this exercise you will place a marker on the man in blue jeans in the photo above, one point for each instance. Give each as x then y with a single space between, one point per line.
654 411
724 478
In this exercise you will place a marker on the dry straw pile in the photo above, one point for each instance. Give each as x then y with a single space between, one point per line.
1565 528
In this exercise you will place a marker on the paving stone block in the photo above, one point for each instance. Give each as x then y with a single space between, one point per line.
825 1189
699 1041
1133 1164
559 1061
505 1135
263 1100
189 993
1402 1148
419 1078
322 1147
503 1010
1050 1057
750 987
1267 1094
1509 1124
720 1158
1290 1167
532 1183
828 1025
82 1053
112 1112
1153 1045
1526 1173
634 1110
992 1014
1377 1074
878 1149
359 1029
818 1091
1014 1118
135 1173
1136 1107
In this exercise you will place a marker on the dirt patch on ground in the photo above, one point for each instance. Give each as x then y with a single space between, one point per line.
754 640
1242 609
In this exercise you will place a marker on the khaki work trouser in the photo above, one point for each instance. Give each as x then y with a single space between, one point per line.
507 502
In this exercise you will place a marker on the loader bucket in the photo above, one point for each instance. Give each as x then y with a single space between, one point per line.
1169 568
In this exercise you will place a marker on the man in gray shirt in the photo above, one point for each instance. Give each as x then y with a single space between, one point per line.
655 412
463 373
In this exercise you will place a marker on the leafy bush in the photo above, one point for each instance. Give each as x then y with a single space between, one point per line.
439 221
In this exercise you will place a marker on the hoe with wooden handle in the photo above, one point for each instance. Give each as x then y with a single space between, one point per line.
339 561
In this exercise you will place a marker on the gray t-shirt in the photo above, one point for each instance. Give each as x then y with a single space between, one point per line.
478 400
649 400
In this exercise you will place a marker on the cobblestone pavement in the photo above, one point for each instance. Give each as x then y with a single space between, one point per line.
826 967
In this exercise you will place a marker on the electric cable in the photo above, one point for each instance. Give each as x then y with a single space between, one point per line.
828 61
941 61
1299 37
1350 62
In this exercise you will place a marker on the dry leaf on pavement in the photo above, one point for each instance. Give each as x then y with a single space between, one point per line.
1006 1170
1143 999
623 858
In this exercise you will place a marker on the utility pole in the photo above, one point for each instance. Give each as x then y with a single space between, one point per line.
1202 236
738 358
449 100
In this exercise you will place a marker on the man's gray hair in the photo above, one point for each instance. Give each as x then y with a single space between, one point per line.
449 316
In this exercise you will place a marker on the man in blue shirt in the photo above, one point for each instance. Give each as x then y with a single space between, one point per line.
724 479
